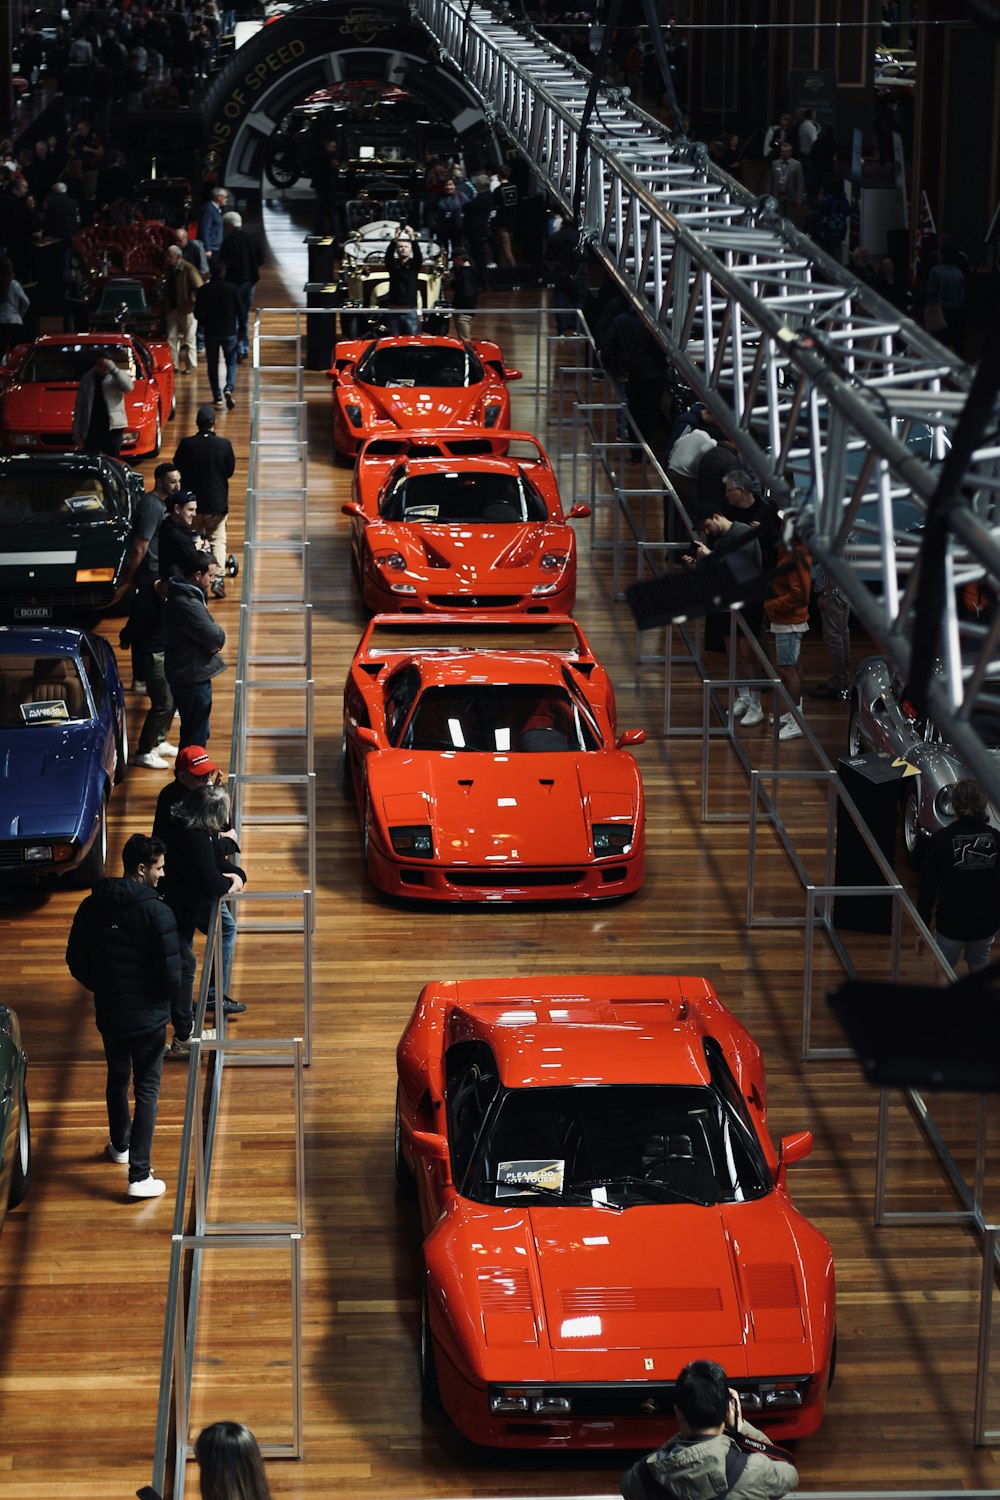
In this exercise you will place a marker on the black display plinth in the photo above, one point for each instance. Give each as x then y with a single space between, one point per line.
872 780
321 331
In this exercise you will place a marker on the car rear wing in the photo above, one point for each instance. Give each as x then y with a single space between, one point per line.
391 638
456 442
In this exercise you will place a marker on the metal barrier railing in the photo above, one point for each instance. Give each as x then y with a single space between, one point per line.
195 1233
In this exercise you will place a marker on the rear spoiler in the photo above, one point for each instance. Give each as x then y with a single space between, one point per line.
421 635
456 442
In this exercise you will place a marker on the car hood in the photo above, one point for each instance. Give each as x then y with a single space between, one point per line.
41 556
652 1284
44 775
408 406
497 809
40 405
472 554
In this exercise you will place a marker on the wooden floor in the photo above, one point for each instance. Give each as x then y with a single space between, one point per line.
83 1271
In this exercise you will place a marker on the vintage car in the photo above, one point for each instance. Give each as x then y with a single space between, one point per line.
63 746
365 279
883 718
406 383
486 763
435 526
601 1202
39 383
15 1124
65 532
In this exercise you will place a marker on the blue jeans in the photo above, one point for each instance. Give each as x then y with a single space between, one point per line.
229 349
229 930
403 323
193 701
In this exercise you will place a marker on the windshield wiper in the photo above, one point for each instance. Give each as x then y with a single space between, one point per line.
660 1191
571 1195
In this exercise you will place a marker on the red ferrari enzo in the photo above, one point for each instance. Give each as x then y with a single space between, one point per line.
39 382
601 1202
380 385
439 529
486 763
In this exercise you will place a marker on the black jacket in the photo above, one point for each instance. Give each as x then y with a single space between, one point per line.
240 256
218 308
961 870
199 876
178 544
206 462
124 946
193 639
404 281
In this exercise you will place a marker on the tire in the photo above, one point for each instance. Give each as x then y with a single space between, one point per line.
404 1177
429 1388
121 745
855 744
345 758
20 1177
281 167
92 869
911 826
158 436
173 406
833 1363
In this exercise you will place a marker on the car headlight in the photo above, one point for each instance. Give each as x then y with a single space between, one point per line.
539 589
944 808
130 435
491 415
353 413
95 575
393 560
43 854
23 439
613 838
553 562
415 840
511 1401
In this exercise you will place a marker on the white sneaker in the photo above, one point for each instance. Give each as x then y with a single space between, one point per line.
167 749
151 1187
790 729
150 761
118 1156
182 1049
754 715
740 707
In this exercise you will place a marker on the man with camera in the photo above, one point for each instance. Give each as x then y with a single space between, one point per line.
716 1452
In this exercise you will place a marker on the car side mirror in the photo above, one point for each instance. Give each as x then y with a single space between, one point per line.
352 509
332 376
367 737
512 374
793 1148
630 737
579 512
428 1147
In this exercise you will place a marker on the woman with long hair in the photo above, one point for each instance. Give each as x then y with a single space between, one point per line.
230 1463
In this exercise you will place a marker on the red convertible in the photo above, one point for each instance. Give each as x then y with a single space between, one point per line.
438 530
39 382
601 1201
486 763
381 385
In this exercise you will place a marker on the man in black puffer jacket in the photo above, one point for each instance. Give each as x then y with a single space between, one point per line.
124 946
192 650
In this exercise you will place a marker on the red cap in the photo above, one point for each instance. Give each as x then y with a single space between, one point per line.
196 761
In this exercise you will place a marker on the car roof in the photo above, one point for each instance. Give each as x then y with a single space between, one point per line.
587 1029
25 639
59 339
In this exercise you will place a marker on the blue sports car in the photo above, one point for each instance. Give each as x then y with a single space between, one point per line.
15 1131
63 746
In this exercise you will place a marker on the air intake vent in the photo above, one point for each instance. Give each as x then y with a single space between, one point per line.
675 1299
772 1286
504 1291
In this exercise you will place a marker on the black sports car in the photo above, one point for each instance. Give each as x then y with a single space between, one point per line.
65 528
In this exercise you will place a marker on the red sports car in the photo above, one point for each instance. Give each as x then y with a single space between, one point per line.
486 762
380 385
601 1202
472 531
39 382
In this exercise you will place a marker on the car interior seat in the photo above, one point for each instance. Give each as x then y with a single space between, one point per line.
50 683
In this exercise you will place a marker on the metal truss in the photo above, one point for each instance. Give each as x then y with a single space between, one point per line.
842 406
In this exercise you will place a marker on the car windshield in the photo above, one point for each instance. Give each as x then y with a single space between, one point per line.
424 365
68 363
519 718
39 690
465 497
620 1144
52 498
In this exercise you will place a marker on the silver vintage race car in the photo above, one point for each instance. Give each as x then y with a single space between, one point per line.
883 718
